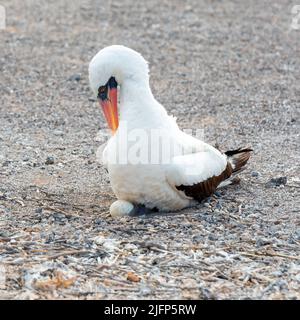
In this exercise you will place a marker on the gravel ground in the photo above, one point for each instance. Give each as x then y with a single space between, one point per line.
229 67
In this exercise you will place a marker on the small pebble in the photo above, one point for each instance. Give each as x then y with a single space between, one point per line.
38 210
49 160
262 242
75 77
276 182
58 133
6 163
212 237
254 174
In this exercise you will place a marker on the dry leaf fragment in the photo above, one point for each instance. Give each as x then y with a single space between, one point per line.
57 282
133 277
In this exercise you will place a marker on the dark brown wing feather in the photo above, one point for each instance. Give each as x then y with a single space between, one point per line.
205 188
231 153
236 161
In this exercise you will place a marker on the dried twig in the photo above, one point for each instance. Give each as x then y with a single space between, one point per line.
67 214
67 253
269 254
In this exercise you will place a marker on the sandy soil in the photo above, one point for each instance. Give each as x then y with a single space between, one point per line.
229 67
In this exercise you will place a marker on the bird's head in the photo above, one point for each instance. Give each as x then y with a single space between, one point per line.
112 67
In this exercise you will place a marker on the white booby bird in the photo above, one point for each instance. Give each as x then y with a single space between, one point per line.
181 181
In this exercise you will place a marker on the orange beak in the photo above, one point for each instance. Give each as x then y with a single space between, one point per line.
110 109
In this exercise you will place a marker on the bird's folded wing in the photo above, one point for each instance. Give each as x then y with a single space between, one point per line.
194 168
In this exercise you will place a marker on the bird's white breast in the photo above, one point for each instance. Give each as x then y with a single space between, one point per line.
142 183
145 184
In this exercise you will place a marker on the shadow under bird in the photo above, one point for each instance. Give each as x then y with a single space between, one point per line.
178 170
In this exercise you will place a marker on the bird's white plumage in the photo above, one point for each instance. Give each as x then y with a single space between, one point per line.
193 168
153 185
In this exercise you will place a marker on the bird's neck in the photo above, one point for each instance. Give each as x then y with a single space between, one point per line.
138 107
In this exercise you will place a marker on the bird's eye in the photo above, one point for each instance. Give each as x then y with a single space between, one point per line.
102 92
112 83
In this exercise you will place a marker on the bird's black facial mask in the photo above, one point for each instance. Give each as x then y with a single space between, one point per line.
103 90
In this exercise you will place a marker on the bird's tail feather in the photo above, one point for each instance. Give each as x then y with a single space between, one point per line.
237 158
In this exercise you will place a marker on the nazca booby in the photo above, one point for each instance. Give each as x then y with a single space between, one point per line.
181 181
